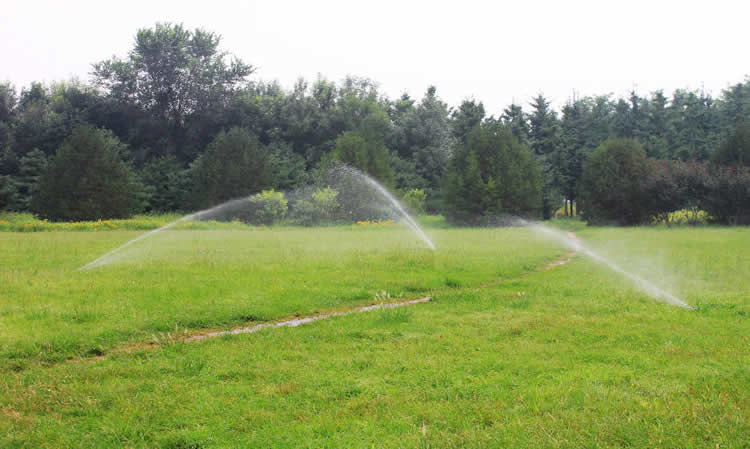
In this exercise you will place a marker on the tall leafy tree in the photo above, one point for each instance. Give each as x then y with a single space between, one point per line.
172 71
179 76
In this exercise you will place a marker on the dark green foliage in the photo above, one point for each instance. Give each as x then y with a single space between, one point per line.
365 148
514 118
234 165
544 140
735 150
727 198
31 167
167 184
88 180
422 141
8 192
287 167
176 90
490 177
613 188
172 72
468 116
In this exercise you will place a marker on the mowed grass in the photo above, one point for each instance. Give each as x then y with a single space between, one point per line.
182 280
569 357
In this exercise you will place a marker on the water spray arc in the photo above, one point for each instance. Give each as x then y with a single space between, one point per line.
400 208
106 257
646 286
393 203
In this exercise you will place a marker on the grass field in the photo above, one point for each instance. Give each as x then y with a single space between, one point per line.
505 355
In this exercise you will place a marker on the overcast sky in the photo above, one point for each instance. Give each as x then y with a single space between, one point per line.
495 51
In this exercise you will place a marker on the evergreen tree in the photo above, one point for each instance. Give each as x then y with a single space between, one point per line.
544 139
735 150
167 184
365 149
234 165
514 118
468 116
31 167
491 176
87 180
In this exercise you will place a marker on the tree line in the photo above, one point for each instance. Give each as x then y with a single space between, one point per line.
178 124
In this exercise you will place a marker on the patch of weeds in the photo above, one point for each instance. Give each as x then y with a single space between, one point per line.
192 367
16 366
351 392
394 315
519 303
412 288
95 351
382 296
181 443
37 315
452 283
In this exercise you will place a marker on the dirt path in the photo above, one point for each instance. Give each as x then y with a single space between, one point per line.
565 259
187 336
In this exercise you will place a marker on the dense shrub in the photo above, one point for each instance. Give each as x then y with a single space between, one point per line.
269 207
675 191
490 176
727 197
415 200
87 180
321 208
614 187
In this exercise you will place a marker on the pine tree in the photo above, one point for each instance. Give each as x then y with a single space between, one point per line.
87 180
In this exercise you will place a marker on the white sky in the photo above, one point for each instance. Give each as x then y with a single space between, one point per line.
496 51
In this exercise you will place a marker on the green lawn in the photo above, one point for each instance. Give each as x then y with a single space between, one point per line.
568 357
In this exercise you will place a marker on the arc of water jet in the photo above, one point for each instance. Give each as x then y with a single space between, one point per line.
409 220
103 259
374 184
575 244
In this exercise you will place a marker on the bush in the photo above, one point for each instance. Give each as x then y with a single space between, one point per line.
415 200
270 207
88 180
321 208
613 187
490 176
727 198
